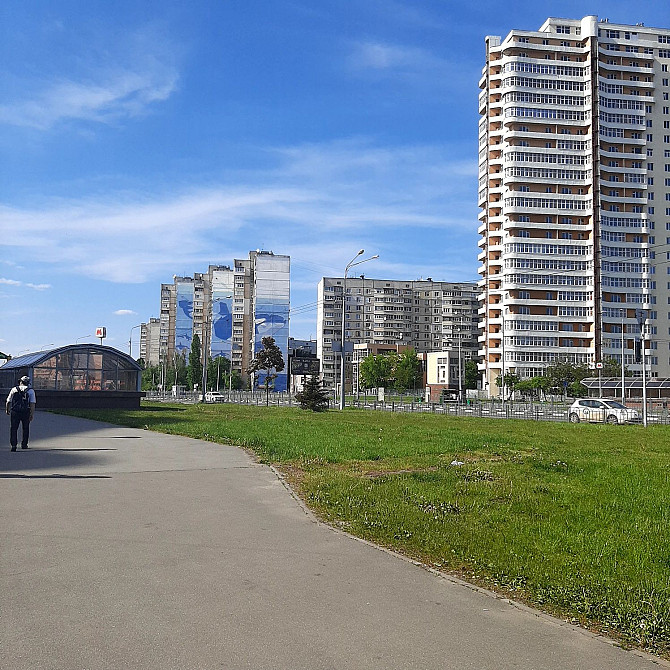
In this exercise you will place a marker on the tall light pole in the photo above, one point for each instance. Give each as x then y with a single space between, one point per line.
623 363
130 340
460 376
643 337
502 357
352 263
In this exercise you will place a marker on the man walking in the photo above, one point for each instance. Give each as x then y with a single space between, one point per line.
21 409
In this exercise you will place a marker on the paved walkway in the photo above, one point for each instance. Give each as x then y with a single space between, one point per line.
125 549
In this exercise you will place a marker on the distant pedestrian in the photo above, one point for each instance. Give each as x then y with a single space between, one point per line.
21 409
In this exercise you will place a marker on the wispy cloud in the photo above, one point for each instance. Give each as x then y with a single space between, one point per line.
117 95
99 77
16 282
384 56
409 66
124 312
318 200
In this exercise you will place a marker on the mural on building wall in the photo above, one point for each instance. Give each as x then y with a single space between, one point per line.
184 318
222 314
271 314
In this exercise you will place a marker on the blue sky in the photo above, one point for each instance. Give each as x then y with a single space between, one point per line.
144 139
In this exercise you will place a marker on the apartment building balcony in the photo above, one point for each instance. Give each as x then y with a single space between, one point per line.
541 60
627 82
619 170
482 102
637 141
606 154
570 206
623 54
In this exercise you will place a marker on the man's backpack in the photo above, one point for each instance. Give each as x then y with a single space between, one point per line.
20 401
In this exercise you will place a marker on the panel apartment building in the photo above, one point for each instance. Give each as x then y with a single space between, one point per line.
574 191
230 309
426 315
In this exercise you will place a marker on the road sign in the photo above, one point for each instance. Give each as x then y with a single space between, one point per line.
599 366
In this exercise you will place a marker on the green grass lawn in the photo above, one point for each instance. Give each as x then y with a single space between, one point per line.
571 518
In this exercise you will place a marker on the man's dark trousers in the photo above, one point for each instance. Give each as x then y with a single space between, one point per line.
17 418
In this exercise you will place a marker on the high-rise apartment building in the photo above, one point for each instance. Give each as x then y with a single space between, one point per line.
150 342
230 309
426 315
574 190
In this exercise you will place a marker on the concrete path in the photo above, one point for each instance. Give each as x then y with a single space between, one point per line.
126 549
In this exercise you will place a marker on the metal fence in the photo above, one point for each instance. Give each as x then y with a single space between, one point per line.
551 411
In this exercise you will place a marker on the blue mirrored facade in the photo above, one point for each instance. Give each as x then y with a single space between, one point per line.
222 314
271 309
184 317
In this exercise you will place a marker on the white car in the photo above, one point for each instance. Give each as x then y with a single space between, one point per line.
601 410
214 396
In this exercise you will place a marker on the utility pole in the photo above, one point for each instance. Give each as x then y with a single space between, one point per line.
623 360
460 377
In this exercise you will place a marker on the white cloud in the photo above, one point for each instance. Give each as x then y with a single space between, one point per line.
411 67
99 76
124 312
381 56
16 282
121 94
319 201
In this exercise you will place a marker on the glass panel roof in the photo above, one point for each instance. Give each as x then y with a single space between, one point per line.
28 360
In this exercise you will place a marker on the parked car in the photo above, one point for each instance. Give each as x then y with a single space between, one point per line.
601 410
214 396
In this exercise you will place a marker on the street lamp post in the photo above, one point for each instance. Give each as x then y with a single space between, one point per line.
460 375
642 321
130 340
352 263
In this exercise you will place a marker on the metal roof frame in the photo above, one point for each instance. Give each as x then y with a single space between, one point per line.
32 359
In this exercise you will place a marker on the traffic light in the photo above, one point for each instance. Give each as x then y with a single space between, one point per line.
638 351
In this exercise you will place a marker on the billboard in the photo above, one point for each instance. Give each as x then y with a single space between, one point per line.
184 317
221 336
305 366
271 308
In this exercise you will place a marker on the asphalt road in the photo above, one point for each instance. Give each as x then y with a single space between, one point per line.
126 549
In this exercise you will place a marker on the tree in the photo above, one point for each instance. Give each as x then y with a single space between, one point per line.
151 378
612 368
563 373
269 360
471 375
577 390
313 396
176 373
194 370
510 381
217 373
376 371
407 370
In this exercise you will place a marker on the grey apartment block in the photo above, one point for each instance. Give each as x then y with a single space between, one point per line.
150 341
426 315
